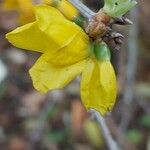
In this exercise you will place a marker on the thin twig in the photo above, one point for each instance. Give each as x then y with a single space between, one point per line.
110 141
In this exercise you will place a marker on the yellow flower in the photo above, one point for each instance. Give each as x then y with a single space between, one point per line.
23 7
67 53
65 7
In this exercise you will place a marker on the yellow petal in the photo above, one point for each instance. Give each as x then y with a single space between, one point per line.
26 11
65 7
71 47
98 86
74 52
23 7
47 76
10 4
29 37
68 10
54 24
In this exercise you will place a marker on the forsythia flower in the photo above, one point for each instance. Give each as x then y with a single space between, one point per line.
65 7
23 7
67 53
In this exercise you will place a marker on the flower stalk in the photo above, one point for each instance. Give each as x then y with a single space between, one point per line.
112 145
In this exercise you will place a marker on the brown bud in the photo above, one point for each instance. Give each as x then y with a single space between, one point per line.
97 27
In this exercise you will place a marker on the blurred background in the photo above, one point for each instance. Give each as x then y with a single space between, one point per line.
57 120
